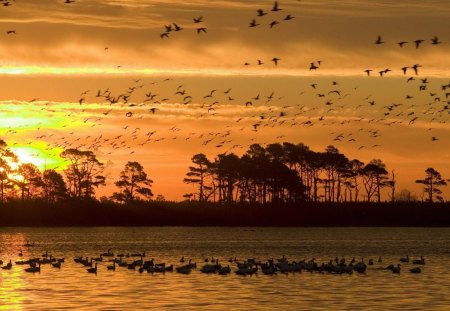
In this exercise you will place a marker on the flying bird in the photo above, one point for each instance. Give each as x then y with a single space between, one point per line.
261 13
201 29
402 43
253 23
198 19
418 42
275 60
275 7
379 41
435 40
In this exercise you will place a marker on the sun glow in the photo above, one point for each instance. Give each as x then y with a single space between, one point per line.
37 156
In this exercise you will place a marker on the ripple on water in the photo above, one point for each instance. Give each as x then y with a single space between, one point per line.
72 287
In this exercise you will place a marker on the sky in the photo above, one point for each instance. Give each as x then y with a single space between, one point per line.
55 55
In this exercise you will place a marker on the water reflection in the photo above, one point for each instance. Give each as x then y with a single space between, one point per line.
72 287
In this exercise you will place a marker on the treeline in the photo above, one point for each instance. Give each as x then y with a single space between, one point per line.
277 174
79 181
290 174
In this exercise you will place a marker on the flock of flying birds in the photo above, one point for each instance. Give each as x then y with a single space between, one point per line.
336 104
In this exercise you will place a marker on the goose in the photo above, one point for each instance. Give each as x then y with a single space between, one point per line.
420 261
8 266
404 259
33 268
92 270
108 253
182 259
98 258
225 270
57 265
396 269
113 267
415 270
186 269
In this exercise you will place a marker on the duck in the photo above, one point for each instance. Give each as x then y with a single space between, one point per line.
93 270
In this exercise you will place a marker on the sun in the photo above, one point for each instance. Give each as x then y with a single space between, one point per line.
35 155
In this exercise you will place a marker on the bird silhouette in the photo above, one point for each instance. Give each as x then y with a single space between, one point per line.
275 7
418 42
201 29
261 13
435 40
379 40
275 60
253 23
198 19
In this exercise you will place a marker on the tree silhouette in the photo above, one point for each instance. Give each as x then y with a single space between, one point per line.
29 180
199 174
374 177
53 186
133 183
83 173
431 182
6 157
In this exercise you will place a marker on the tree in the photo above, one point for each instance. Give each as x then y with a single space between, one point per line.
53 186
133 183
83 173
405 196
391 184
6 157
431 182
374 176
199 174
28 179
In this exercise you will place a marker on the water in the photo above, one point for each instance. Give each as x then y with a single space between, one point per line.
73 288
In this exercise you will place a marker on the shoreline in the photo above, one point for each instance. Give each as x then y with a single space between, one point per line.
195 214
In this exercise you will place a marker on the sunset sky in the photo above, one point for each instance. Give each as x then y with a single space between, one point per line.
56 57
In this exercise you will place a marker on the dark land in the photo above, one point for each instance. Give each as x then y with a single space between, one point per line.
358 214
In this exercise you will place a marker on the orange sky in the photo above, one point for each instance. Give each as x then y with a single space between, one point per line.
59 51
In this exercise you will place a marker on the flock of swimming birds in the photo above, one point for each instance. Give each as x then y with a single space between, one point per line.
333 104
211 265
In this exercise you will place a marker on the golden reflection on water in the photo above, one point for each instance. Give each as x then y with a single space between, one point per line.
11 281
73 288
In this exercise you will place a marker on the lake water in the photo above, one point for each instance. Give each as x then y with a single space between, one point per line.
72 287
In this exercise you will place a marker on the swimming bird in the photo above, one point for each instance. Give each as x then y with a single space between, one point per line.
93 270
415 270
